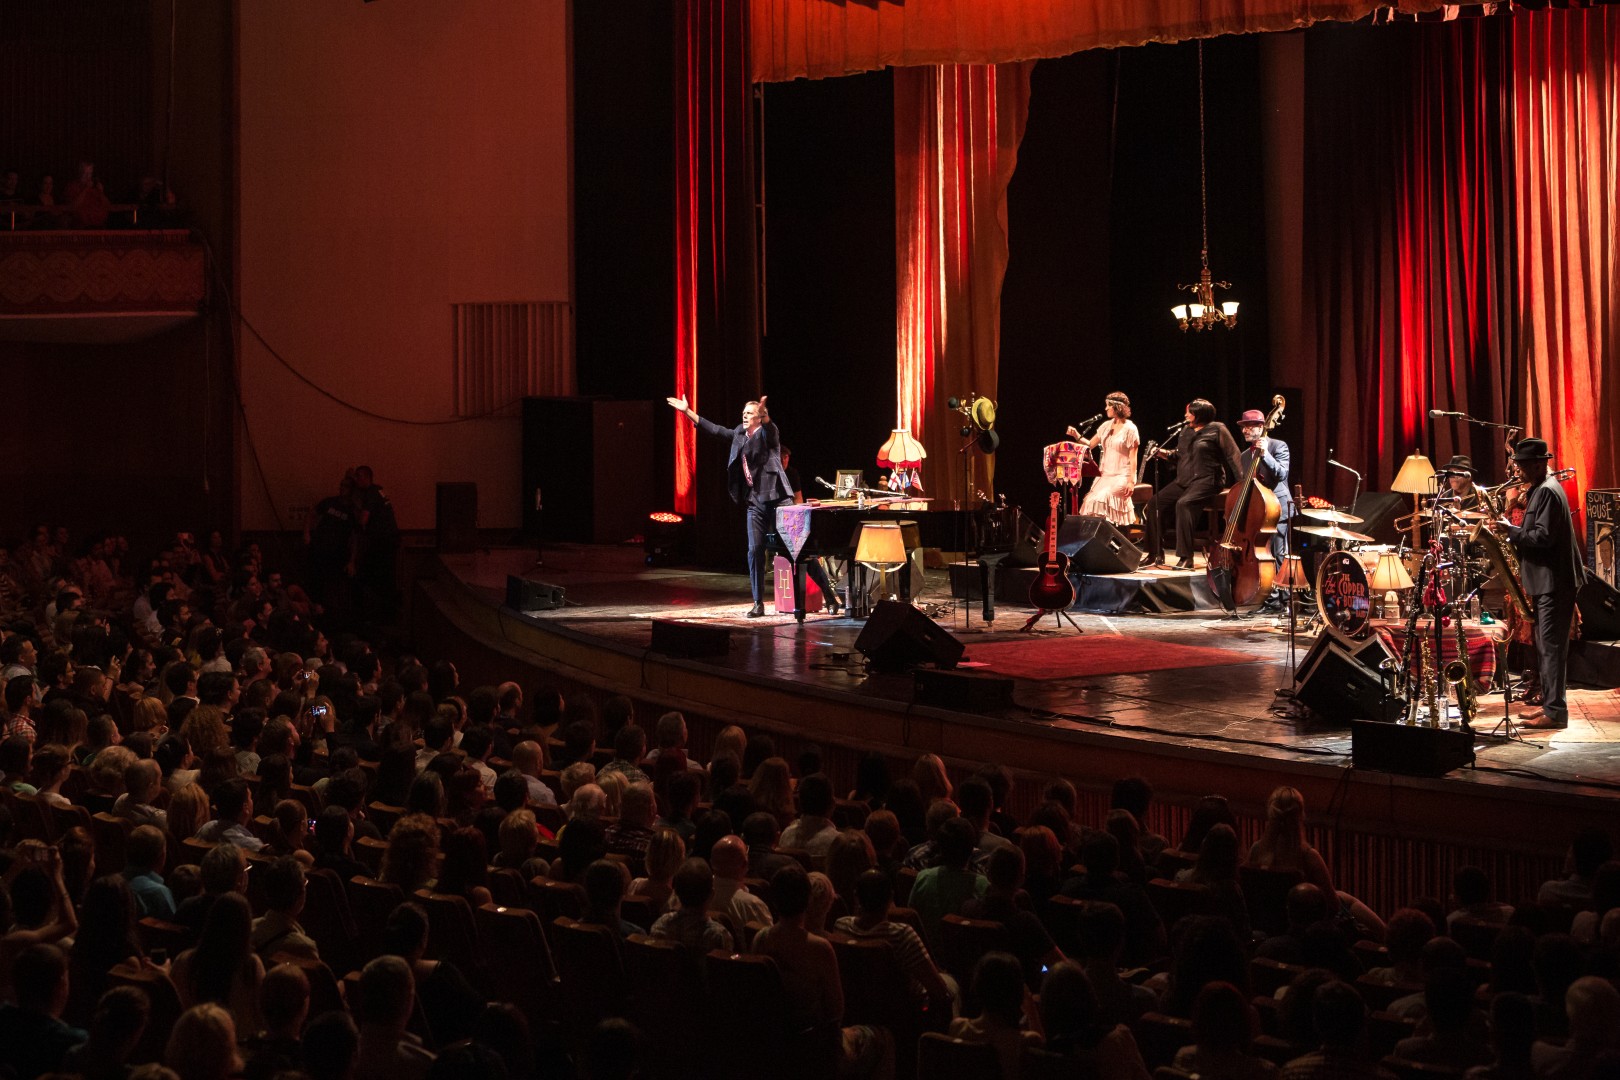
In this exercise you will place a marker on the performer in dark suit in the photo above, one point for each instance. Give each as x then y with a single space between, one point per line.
1273 473
1550 563
1206 458
756 479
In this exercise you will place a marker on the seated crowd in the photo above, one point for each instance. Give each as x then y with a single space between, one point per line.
230 846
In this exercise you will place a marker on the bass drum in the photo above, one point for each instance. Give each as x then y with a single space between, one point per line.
1343 597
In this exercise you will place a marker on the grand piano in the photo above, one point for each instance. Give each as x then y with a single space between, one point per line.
809 530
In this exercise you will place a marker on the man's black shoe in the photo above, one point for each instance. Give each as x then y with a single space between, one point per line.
756 611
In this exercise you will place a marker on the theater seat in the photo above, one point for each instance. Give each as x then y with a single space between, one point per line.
941 1057
1159 1037
962 941
592 972
165 1008
517 959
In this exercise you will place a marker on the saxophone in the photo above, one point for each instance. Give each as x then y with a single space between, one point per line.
1460 679
1429 683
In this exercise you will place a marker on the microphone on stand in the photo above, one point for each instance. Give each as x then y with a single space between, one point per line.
1438 413
1177 426
830 487
1346 468
1091 420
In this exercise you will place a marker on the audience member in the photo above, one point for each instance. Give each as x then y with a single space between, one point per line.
812 831
946 888
277 932
202 1045
31 1027
998 990
689 925
387 1051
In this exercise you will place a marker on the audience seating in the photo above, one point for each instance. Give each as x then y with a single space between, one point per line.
552 900
941 1057
641 911
1265 894
756 1019
110 833
327 919
383 816
1176 899
1268 976
370 853
1385 1030
371 902
1420 1070
517 959
325 992
1380 995
592 970
452 934
156 933
507 887
667 997
1476 936
903 881
165 1007
963 941
1172 862
1159 1037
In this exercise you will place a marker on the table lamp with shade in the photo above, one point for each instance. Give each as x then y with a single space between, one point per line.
903 455
1416 478
1390 578
881 548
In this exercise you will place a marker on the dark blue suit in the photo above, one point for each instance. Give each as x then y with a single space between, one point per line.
1273 473
769 488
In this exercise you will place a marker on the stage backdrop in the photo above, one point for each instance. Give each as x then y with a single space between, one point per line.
1461 239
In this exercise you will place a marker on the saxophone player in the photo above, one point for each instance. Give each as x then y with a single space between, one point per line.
1553 573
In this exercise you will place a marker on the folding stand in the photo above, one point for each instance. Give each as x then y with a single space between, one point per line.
1059 614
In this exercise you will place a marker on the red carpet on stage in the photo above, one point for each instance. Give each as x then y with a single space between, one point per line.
1080 655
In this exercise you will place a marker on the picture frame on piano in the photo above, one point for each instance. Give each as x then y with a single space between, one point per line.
847 480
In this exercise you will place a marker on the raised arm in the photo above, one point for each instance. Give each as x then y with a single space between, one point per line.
708 427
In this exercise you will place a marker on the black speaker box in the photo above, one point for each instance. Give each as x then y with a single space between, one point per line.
455 517
964 691
1027 546
525 595
687 640
898 636
1095 546
1600 611
587 469
1410 751
1336 686
1380 509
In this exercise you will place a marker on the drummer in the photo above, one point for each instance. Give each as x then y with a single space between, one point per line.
1459 474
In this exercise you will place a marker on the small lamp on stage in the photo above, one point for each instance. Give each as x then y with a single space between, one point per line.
1416 479
1292 575
1390 578
903 456
881 548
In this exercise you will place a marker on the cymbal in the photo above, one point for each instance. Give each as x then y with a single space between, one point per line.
1333 532
1473 515
1338 517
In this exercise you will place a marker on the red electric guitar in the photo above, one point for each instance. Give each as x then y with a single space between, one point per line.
1052 590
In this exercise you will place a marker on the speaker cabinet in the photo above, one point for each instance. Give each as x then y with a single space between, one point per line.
1599 603
963 691
525 595
689 640
1336 686
1410 751
587 469
455 517
1095 546
898 636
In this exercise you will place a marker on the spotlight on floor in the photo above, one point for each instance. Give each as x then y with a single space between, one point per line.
663 539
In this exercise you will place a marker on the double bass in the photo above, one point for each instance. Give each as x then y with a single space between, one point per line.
1241 567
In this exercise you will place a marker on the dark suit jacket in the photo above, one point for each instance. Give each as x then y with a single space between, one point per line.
763 450
1549 560
1273 471
1208 454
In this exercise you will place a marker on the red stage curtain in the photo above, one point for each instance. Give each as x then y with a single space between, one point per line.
716 268
795 39
956 135
1461 242
1566 134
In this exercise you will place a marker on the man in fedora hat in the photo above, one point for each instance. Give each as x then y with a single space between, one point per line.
1273 473
1459 474
1550 564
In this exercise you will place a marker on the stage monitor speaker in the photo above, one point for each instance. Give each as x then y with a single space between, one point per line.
525 595
587 469
455 517
1600 611
964 691
1410 751
1095 546
1336 686
689 640
898 636
1380 509
1027 547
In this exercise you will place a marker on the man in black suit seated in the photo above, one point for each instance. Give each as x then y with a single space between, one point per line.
1550 564
1206 458
756 479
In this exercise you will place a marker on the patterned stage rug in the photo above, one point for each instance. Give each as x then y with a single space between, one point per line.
1075 656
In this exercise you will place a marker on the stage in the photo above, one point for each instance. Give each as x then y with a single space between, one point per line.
1189 700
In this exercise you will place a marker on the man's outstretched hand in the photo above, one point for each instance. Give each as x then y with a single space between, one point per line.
677 403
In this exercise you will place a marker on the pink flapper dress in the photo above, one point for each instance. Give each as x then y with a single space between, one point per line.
1110 494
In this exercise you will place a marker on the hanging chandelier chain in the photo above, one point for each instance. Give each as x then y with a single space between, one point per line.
1203 174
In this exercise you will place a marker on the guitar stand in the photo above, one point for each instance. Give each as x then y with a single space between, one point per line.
1505 728
1058 614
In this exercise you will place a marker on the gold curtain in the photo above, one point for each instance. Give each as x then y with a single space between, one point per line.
795 39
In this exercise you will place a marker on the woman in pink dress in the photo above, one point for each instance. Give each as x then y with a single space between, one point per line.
1110 494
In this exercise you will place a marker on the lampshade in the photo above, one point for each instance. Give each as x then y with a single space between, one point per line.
881 546
1291 575
1197 310
901 451
1229 308
1390 574
1416 476
1179 311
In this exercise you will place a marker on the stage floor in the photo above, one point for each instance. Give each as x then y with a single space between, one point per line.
1229 707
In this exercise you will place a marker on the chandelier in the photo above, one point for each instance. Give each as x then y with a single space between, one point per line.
1203 311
